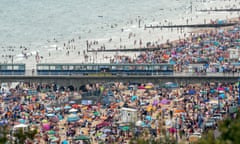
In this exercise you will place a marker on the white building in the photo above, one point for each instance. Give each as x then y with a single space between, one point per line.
128 115
234 53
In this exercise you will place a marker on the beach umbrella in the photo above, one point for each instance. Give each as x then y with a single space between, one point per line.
106 130
46 126
51 132
44 121
220 89
49 109
54 139
50 115
191 92
73 110
221 95
67 107
138 123
179 111
125 128
151 84
20 126
141 87
72 102
75 106
81 137
73 118
155 102
54 119
170 85
149 118
164 101
57 109
99 133
60 117
96 113
103 136
134 97
21 121
148 87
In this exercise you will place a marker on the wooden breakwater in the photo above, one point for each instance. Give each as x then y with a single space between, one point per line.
221 10
132 49
193 25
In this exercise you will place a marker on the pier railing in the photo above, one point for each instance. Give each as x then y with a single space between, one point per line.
175 74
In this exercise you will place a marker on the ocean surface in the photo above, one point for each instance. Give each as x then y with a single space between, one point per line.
37 24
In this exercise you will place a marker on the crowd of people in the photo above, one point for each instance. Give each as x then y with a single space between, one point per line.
211 48
169 109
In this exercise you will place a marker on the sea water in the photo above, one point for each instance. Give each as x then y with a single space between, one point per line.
40 25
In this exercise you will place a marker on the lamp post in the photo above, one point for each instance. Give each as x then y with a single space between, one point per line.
239 91
218 100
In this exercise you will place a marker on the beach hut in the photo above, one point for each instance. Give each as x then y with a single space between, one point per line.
128 115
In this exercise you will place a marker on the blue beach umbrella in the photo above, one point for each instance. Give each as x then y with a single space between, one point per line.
134 98
149 118
67 107
22 121
192 92
57 109
73 118
50 115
